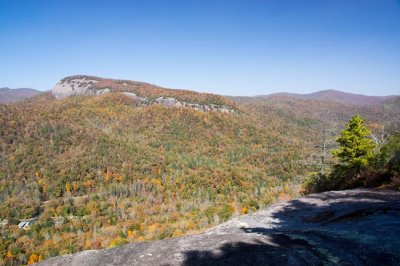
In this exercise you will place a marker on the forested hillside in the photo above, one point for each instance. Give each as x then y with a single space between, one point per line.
100 171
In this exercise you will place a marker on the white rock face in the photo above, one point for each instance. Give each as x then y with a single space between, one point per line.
167 101
78 86
172 102
134 96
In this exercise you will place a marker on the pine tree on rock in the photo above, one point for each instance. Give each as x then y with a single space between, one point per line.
356 148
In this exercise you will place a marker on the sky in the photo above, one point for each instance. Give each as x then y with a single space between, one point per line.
228 47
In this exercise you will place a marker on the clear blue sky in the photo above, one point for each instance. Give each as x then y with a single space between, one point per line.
228 47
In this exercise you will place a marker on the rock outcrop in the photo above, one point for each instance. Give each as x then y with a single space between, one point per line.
77 86
94 86
353 227
172 102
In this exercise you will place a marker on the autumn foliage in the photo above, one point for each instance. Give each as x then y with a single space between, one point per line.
100 172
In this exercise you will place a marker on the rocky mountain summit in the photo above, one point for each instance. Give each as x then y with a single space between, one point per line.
143 93
353 227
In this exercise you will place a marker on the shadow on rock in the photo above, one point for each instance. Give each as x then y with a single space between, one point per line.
325 229
279 251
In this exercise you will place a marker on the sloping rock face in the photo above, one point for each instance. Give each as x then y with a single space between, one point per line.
354 227
77 86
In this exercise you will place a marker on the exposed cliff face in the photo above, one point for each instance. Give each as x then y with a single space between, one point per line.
77 86
354 227
172 102
144 93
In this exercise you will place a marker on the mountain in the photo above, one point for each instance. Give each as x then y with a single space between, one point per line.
142 93
8 95
337 96
332 228
98 163
100 171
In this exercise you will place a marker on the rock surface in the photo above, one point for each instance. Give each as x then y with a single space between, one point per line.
353 227
76 86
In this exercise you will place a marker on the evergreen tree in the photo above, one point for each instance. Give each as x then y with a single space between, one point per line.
355 149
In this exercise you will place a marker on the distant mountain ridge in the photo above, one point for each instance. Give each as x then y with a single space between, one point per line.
8 95
337 96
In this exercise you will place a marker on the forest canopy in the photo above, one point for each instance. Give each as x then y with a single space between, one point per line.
98 172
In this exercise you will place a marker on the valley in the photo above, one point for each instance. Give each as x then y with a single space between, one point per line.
98 170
